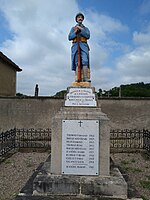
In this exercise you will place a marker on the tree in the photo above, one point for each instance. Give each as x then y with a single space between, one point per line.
99 93
20 94
61 93
132 90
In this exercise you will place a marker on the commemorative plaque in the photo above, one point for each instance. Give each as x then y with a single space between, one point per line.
80 97
80 147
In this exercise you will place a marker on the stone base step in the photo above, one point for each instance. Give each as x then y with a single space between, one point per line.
112 187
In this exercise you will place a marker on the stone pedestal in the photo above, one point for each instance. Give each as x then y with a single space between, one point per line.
80 152
111 187
81 84
80 114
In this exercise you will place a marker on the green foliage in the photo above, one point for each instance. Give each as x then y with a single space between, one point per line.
136 90
99 93
114 91
20 94
62 93
129 90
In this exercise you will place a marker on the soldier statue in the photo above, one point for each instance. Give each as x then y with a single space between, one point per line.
79 35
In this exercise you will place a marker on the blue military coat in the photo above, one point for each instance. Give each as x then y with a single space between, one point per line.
83 46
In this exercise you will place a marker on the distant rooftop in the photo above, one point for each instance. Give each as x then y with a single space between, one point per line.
10 62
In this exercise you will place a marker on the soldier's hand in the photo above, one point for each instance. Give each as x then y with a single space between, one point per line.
76 29
79 28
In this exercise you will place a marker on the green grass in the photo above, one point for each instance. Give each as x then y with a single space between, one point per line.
134 170
133 160
145 155
124 162
145 184
148 177
130 169
8 161
144 198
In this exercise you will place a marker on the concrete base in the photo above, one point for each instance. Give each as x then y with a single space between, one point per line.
52 181
113 186
83 113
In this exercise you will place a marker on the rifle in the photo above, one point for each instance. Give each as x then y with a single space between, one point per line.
79 60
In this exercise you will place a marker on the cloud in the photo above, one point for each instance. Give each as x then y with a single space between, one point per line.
101 77
102 47
141 38
41 48
102 26
134 66
39 45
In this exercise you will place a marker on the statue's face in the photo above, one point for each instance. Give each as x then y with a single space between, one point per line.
80 19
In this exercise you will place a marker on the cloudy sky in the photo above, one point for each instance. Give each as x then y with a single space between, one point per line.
34 34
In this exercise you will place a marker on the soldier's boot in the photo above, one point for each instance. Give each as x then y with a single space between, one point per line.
85 74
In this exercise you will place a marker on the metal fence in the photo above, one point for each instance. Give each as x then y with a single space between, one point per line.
24 138
7 141
146 140
120 140
126 140
33 138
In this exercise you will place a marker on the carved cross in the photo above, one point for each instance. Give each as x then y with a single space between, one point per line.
80 122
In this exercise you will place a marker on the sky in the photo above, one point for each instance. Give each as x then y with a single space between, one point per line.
34 35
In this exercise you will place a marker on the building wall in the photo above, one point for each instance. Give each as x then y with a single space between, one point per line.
38 112
7 80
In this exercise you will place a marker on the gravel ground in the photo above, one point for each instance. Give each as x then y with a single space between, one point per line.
136 167
16 170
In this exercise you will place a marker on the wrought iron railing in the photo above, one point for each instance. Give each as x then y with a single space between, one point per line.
24 138
146 140
126 140
33 138
7 141
120 140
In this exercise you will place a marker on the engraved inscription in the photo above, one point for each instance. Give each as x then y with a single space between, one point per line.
80 97
80 147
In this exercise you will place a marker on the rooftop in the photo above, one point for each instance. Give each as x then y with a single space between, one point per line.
10 62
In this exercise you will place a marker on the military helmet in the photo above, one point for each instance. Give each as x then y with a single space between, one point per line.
79 15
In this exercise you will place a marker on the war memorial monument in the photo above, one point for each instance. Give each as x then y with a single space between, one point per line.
80 165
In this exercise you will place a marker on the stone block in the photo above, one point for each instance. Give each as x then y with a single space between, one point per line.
51 184
106 186
113 187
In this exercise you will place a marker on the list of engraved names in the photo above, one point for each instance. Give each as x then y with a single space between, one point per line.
80 147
